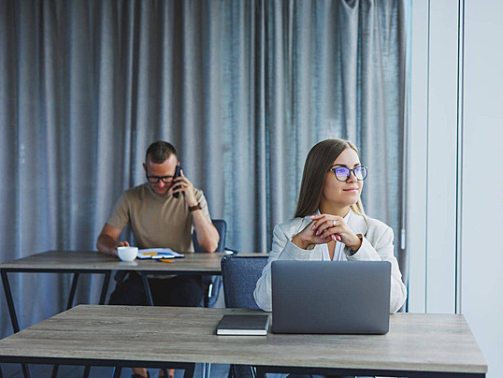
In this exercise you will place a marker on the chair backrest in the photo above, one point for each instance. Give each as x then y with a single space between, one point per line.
221 227
240 275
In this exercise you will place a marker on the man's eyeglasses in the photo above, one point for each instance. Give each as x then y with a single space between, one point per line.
343 173
156 179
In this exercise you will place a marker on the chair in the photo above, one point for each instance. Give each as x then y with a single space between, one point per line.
212 283
240 275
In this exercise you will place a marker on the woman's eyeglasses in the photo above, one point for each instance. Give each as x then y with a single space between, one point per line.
343 173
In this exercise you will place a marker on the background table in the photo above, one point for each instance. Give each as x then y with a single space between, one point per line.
418 345
77 262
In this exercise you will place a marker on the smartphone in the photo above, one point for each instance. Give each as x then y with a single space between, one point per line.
176 175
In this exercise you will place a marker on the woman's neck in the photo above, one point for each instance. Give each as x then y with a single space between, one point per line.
330 208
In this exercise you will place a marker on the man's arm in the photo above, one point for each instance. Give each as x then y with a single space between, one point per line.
107 241
207 234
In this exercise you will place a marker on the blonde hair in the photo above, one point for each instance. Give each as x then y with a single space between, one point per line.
318 162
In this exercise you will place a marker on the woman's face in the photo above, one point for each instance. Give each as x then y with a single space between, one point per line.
339 193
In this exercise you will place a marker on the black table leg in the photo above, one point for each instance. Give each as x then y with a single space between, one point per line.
10 302
12 313
26 372
71 297
117 372
189 371
87 370
148 292
104 288
55 371
260 373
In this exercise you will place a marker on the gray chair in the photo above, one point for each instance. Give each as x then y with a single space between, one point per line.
212 283
240 275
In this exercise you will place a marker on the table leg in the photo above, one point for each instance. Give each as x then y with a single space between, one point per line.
260 373
12 313
55 371
26 372
189 371
117 372
87 370
10 302
146 286
104 288
71 297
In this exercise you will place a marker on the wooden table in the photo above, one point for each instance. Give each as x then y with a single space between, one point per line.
418 345
77 262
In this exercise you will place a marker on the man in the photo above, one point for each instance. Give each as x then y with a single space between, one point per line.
159 219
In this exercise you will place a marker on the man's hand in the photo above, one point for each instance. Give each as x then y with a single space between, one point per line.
107 241
183 185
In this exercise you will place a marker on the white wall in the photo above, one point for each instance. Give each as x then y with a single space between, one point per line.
455 207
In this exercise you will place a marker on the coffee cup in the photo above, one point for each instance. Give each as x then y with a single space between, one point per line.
127 253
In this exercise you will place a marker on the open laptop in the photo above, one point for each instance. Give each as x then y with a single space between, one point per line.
338 297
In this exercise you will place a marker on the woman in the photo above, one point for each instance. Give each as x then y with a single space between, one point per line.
330 223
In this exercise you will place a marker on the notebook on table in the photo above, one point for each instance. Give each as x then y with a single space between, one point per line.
158 253
244 325
336 297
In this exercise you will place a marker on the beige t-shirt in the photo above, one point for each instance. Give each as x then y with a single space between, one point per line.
157 221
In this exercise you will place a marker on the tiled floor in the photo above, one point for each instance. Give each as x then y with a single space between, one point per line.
39 371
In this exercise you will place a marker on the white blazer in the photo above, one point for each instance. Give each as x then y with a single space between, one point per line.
377 245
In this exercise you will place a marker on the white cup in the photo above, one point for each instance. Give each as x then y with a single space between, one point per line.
127 253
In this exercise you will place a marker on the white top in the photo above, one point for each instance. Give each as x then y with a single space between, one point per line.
377 245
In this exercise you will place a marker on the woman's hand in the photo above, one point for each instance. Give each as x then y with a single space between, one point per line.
307 238
325 228
333 227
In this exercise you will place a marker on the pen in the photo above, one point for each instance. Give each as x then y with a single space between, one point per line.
165 261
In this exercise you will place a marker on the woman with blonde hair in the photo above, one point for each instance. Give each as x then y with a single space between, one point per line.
330 223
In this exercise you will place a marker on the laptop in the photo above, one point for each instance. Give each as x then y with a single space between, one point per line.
337 297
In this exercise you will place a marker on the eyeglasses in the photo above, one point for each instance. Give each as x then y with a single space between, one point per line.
156 179
343 173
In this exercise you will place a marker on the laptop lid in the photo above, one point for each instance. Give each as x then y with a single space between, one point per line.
338 297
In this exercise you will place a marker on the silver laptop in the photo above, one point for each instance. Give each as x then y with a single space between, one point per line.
337 297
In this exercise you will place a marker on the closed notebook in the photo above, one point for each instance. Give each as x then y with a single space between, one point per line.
243 325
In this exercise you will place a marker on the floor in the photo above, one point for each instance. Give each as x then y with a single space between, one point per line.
39 371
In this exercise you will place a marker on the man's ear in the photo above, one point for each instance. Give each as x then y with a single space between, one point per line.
145 167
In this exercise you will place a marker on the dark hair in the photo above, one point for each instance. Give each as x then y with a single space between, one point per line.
318 162
160 151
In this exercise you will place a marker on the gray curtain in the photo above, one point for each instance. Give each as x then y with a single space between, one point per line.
243 89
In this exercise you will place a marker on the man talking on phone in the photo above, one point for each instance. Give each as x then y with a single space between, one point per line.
163 212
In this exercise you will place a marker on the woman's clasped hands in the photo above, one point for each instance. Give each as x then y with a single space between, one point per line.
325 228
